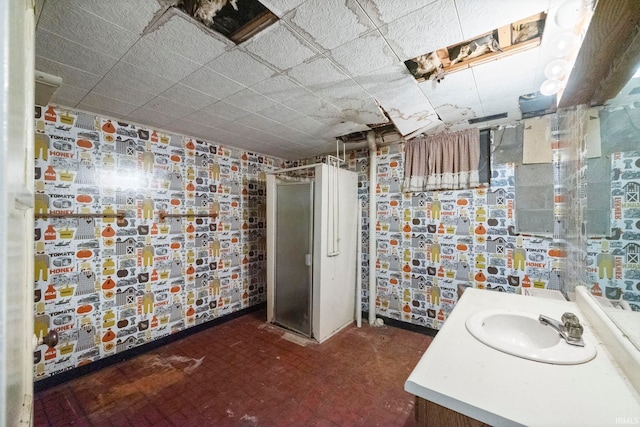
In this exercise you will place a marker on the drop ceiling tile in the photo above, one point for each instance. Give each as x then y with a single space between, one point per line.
251 145
169 107
241 67
225 111
233 140
208 81
183 36
413 118
356 104
494 13
68 95
510 76
280 47
281 113
385 11
142 80
273 140
280 88
85 28
425 30
249 100
156 58
189 128
104 105
329 23
134 16
317 74
364 54
316 108
70 76
56 48
151 118
118 90
205 118
344 128
407 106
273 128
458 88
302 152
243 130
392 87
188 96
280 7
507 105
257 121
453 112
289 134
386 81
308 126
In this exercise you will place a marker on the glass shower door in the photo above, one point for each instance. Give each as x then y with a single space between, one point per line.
293 261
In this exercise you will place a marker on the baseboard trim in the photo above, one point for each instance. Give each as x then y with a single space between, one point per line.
404 325
74 373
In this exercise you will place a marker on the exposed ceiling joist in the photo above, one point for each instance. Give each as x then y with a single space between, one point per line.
608 55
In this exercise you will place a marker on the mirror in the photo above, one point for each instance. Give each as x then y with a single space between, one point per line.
613 202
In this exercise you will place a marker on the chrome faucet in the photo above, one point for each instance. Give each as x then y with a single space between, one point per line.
569 328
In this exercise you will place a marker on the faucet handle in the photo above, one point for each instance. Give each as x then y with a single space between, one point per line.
569 320
575 332
572 325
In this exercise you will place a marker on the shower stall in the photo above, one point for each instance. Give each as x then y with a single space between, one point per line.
311 249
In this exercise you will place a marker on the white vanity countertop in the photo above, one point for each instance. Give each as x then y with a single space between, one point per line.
460 373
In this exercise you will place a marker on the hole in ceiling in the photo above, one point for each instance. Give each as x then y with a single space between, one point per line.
237 20
515 37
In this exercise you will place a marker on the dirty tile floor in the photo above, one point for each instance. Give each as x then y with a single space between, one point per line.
248 373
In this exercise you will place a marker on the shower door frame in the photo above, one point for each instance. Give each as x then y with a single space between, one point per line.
309 256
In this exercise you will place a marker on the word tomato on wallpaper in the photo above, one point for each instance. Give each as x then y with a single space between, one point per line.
110 272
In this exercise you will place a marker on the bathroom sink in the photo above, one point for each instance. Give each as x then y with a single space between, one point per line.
522 335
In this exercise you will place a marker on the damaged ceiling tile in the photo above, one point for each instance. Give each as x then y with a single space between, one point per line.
348 21
237 20
326 68
281 47
382 12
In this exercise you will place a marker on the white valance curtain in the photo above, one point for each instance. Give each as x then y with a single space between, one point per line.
442 162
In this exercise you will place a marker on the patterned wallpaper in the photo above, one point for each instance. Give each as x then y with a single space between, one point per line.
110 283
433 245
609 267
613 264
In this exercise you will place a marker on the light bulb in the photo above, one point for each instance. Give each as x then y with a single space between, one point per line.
556 69
549 87
564 43
568 14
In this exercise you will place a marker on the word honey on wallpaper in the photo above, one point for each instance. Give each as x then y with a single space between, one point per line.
111 270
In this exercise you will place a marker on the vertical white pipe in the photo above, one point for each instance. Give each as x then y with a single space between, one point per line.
373 215
359 265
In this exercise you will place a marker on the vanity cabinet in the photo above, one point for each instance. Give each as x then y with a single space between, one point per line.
431 414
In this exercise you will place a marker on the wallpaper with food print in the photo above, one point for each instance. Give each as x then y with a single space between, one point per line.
434 245
613 264
109 273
